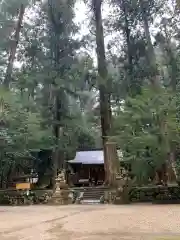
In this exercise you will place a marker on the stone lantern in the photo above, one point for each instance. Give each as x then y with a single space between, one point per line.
62 193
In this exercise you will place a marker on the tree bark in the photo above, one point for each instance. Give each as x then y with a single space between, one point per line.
56 130
172 62
57 101
174 175
178 4
105 106
151 57
127 32
15 41
112 156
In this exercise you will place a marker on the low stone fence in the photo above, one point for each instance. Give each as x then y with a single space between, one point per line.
35 196
25 197
154 194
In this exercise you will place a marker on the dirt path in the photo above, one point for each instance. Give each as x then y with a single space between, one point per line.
96 222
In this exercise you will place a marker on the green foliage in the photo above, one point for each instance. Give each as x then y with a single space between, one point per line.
155 194
11 197
54 64
20 132
147 131
23 127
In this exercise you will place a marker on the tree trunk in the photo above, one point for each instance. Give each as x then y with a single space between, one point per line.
56 130
13 48
127 32
132 83
151 57
112 156
174 175
105 106
172 62
55 97
178 4
8 175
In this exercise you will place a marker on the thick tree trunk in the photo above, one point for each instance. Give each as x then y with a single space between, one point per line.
105 106
55 96
13 48
111 151
56 130
58 161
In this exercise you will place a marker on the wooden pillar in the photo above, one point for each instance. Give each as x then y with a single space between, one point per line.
112 163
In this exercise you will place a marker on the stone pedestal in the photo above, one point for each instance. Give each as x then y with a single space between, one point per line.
61 197
62 193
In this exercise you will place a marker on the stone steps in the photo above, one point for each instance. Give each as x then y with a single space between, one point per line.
90 202
92 195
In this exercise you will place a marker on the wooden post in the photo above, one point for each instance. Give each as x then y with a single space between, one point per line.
112 163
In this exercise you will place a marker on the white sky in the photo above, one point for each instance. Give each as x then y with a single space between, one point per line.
81 18
81 12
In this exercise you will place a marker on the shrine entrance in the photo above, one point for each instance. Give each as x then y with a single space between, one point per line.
87 169
86 175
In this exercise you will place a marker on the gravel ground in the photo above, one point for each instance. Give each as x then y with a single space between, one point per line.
90 222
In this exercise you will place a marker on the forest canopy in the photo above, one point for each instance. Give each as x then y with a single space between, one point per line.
55 93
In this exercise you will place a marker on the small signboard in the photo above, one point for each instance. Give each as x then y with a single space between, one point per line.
22 186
